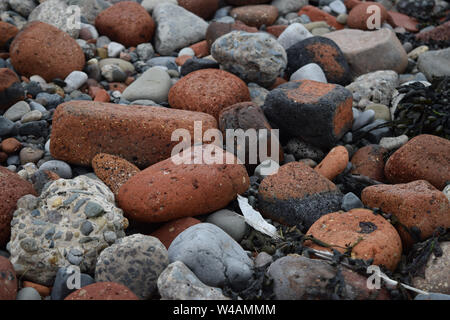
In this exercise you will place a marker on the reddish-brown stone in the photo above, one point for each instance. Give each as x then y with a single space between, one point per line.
12 188
201 49
297 194
169 231
416 204
8 79
315 14
11 145
7 32
217 29
397 19
245 116
182 59
3 157
103 291
256 15
350 4
276 30
202 8
358 16
440 33
334 163
278 81
424 157
369 161
373 236
127 23
139 134
113 171
183 186
102 96
8 280
209 91
42 49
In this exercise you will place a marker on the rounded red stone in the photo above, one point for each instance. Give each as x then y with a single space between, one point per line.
103 291
369 161
44 50
256 15
169 231
371 236
424 157
126 22
8 280
7 32
416 204
209 91
12 188
183 187
358 17
202 8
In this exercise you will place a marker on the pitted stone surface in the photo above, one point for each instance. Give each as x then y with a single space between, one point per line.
135 261
49 232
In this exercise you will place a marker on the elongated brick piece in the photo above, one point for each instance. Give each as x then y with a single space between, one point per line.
139 134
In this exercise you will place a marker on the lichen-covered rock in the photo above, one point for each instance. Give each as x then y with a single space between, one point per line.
135 261
177 282
69 224
254 57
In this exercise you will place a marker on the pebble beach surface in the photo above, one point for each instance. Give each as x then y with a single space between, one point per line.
93 92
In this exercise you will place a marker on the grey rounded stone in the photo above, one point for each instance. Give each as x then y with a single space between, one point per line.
114 49
28 154
65 278
230 222
338 7
58 14
435 63
34 115
311 71
258 94
363 119
351 201
6 126
266 168
145 51
286 6
149 5
17 111
296 32
177 282
186 52
23 7
135 261
263 259
446 191
28 293
126 66
342 18
113 73
75 80
436 276
381 111
154 84
391 143
253 57
176 28
59 167
214 257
